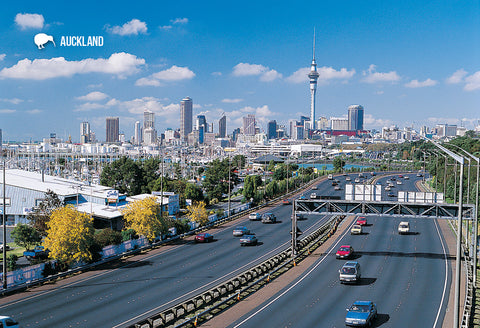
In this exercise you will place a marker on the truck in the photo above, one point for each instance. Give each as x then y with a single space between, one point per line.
38 252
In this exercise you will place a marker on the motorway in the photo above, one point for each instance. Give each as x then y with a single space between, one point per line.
404 268
137 288
407 276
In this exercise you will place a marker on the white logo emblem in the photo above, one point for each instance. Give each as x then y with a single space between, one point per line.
41 39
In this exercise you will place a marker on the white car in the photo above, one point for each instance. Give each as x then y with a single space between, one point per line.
403 227
388 188
254 216
313 195
357 180
399 182
330 177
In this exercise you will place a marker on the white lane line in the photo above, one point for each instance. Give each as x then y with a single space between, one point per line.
210 283
446 275
299 281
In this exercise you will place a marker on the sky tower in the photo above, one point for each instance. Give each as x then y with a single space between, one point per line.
313 76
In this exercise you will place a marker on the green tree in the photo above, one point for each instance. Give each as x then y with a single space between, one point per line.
250 186
272 189
150 173
193 192
271 166
239 161
216 178
338 164
26 236
124 175
40 214
106 237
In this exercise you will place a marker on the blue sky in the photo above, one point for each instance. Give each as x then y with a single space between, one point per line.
407 62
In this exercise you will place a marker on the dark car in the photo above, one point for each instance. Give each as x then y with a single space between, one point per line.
203 237
269 218
248 240
361 314
391 194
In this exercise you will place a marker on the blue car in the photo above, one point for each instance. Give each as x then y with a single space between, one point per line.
361 314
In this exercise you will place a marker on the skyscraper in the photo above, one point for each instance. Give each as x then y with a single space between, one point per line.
112 129
272 130
313 76
249 125
222 126
201 121
84 132
186 117
148 119
137 137
1 140
149 124
355 118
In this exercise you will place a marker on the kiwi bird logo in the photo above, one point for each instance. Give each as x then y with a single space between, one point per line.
41 39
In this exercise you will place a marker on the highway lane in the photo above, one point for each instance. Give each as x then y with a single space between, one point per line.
140 288
405 275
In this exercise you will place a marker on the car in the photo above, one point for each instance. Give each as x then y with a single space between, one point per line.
314 188
247 240
393 178
6 321
302 197
348 178
419 175
391 194
356 229
399 182
406 177
6 247
286 201
400 176
362 220
361 314
203 237
269 218
240 231
350 272
344 252
313 195
334 183
337 187
357 180
330 177
254 216
388 182
403 227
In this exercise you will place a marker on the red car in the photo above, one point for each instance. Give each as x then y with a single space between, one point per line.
361 220
203 237
286 201
344 252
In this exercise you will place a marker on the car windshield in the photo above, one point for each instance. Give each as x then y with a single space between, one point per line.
356 227
348 270
359 308
344 249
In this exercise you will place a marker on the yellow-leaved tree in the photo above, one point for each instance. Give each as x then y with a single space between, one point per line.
197 212
69 235
143 216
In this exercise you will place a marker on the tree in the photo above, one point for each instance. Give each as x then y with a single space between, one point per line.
216 178
106 237
239 161
124 175
143 216
40 215
271 166
338 164
272 189
69 235
250 185
197 212
193 192
26 236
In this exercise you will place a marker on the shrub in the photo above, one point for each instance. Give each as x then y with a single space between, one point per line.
129 234
12 262
107 237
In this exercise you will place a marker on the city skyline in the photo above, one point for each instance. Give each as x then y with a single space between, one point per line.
410 64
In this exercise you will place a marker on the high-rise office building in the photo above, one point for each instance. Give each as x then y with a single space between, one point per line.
148 119
313 76
149 123
112 129
355 118
1 140
201 121
222 127
137 136
272 130
186 106
249 125
84 132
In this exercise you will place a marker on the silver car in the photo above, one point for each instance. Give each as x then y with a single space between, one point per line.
350 272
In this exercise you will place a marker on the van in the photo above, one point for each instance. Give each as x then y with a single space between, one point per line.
350 272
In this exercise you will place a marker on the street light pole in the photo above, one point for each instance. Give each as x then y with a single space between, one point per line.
229 183
4 262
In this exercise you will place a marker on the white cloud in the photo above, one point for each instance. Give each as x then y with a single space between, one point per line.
379 92
179 21
472 82
2 56
34 111
120 64
29 21
7 111
88 106
417 84
95 86
263 114
174 73
266 74
14 101
372 122
457 77
165 27
325 74
232 101
217 73
270 76
133 27
93 96
371 76
443 120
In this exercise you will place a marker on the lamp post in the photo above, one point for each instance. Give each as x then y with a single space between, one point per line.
4 262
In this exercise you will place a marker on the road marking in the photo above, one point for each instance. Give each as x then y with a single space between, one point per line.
446 275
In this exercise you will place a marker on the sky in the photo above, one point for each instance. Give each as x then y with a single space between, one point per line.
408 63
